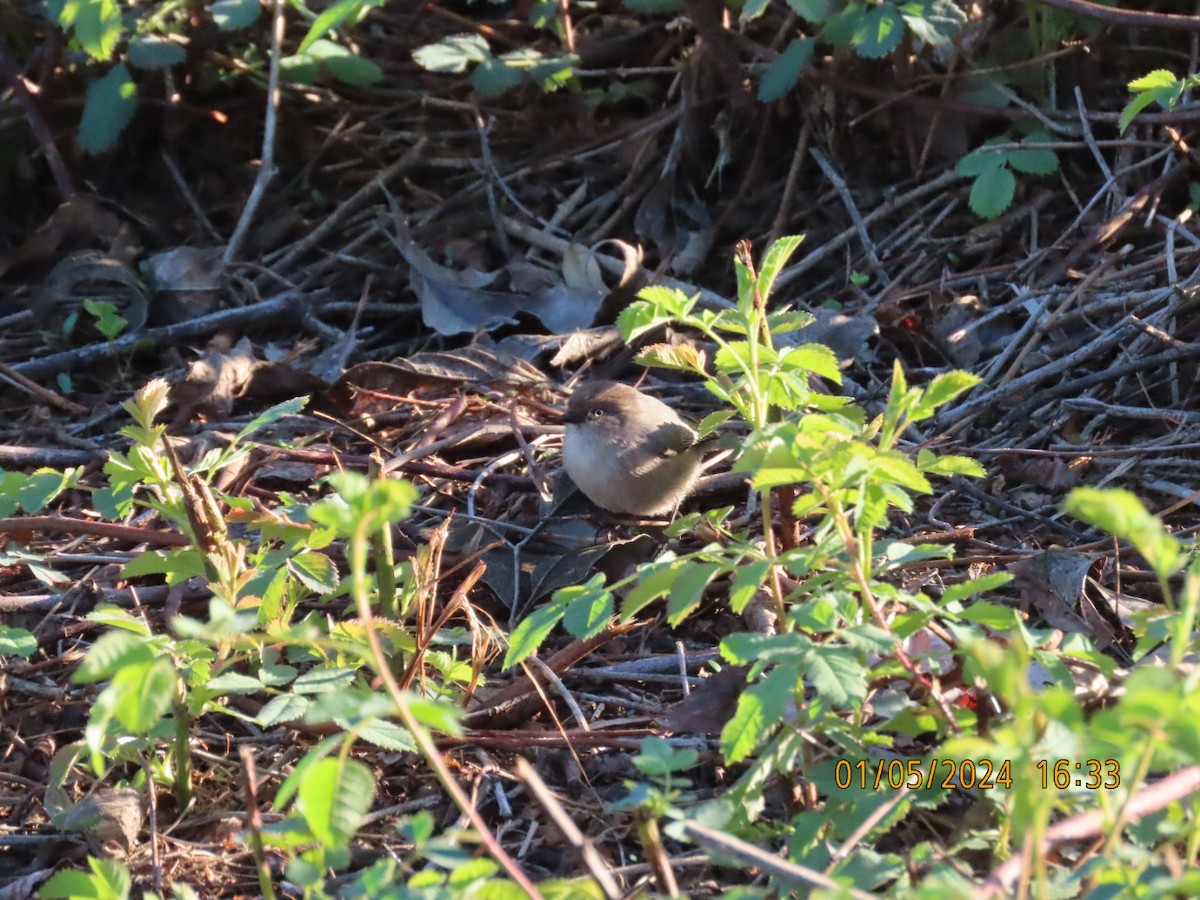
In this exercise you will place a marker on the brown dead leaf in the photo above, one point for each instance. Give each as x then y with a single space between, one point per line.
1054 585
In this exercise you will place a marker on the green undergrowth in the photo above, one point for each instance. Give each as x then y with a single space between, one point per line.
872 709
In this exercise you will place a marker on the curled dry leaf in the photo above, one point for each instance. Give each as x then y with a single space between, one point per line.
187 282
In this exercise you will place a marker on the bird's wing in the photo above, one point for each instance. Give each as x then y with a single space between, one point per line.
670 439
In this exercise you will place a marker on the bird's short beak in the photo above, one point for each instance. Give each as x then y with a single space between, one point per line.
572 418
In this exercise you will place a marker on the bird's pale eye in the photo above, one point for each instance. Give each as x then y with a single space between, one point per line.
595 413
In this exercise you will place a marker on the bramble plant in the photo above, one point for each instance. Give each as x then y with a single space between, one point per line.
154 38
992 167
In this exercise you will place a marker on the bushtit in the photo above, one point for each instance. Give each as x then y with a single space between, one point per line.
628 452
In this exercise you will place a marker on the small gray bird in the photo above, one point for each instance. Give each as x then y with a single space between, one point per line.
629 452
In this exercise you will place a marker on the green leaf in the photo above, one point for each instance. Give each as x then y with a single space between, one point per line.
115 617
1159 79
334 796
143 693
896 468
155 52
990 614
383 734
784 71
943 389
936 22
1122 514
231 15
654 581
760 710
179 564
932 464
323 679
112 651
533 629
96 23
109 107
17 642
879 33
992 193
713 421
315 571
837 673
746 582
1034 162
284 708
840 29
108 880
654 7
590 612
234 683
330 19
274 414
815 11
440 715
981 159
955 592
452 54
40 488
658 757
688 590
349 68
815 358
782 249
1132 108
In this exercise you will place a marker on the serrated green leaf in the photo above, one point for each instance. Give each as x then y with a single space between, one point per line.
760 710
231 15
815 11
589 614
110 102
838 674
946 386
992 193
284 708
815 358
1122 514
1034 161
452 54
533 629
879 32
688 590
980 160
155 52
746 581
651 585
495 77
936 22
784 71
323 679
17 642
993 615
234 683
1159 79
40 488
330 19
654 7
899 469
112 651
143 693
955 592
334 796
931 464
1132 108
